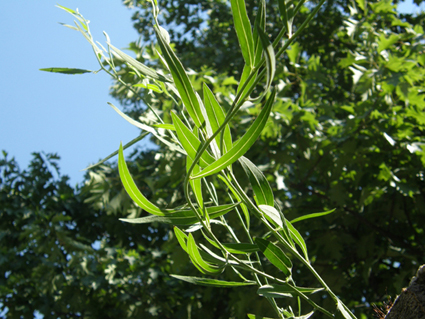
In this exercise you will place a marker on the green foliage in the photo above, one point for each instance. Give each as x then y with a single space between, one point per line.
344 131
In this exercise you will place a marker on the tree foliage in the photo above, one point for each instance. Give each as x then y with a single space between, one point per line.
346 132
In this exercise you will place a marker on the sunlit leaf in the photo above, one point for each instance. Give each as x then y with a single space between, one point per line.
259 183
198 261
272 214
181 80
243 30
241 146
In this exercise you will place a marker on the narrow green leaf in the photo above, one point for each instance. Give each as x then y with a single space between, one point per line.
243 144
216 116
181 237
213 282
146 71
243 30
259 183
66 70
190 142
132 142
260 23
198 261
149 129
314 215
287 290
67 9
195 184
275 255
165 126
133 191
272 214
287 20
342 312
298 239
181 80
182 217
269 55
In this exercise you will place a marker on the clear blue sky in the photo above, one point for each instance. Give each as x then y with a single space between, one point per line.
64 114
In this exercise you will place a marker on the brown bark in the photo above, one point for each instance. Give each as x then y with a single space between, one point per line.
411 302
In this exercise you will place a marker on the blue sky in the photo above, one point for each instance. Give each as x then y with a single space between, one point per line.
64 114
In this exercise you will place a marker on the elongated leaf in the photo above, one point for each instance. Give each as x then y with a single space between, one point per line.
198 261
181 80
149 129
146 71
287 20
272 214
314 215
213 282
287 290
165 126
243 30
275 255
259 183
243 144
133 191
196 184
269 55
296 236
183 217
132 142
260 23
181 237
342 312
216 116
66 70
190 142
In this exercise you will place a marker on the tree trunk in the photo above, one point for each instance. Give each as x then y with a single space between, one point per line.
411 302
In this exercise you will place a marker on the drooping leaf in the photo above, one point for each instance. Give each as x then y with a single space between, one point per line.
181 80
181 237
213 282
132 190
275 255
270 57
241 146
203 266
243 30
259 183
66 70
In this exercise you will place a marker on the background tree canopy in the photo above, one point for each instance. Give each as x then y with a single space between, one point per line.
347 132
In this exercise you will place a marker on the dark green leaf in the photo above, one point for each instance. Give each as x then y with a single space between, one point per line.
66 70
